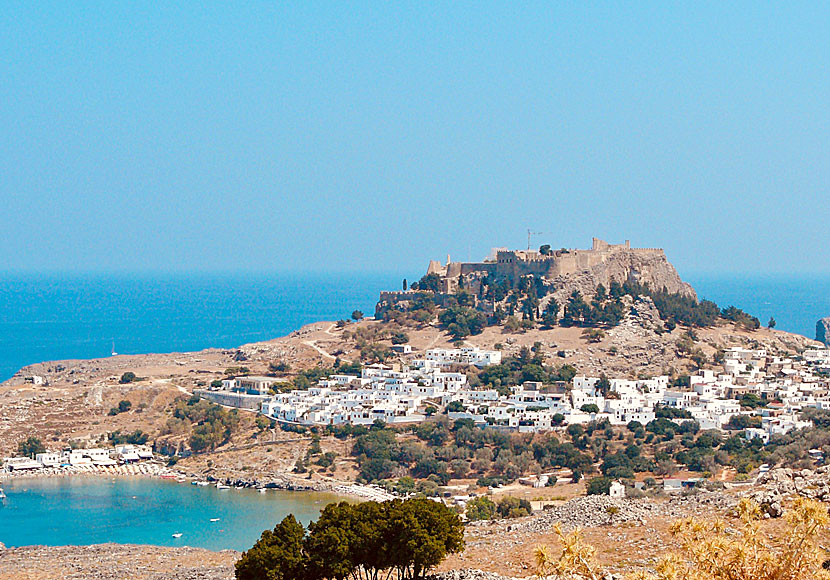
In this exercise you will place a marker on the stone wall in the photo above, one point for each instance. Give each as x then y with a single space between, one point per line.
573 269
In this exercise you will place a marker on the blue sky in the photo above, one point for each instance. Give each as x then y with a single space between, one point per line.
310 136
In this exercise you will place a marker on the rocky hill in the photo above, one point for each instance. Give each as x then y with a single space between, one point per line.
648 268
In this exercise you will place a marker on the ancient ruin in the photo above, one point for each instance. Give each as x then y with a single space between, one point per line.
562 270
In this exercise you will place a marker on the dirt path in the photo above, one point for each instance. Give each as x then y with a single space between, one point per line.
323 353
313 345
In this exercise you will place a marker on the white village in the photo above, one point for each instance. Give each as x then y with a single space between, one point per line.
411 391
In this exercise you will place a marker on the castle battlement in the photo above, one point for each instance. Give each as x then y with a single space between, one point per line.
606 261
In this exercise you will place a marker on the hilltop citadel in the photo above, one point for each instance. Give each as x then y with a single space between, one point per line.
562 271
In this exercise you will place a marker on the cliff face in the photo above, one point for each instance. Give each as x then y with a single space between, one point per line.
823 330
652 268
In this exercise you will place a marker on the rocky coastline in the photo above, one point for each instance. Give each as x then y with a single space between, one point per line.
158 470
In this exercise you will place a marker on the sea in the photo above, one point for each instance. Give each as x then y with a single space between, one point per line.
796 302
56 317
140 510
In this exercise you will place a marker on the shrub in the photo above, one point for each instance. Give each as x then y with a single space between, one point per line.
128 377
480 508
513 507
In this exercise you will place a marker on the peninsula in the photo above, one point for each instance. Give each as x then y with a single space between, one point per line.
528 380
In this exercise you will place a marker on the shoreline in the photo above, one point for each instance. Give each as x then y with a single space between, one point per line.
137 469
157 471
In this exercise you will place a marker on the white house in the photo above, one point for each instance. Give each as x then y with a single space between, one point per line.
617 489
48 459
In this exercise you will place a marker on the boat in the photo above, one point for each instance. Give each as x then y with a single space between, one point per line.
262 490
222 486
113 349
2 493
202 483
214 519
177 535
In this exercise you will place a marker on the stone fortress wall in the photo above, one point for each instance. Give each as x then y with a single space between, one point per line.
566 270
513 264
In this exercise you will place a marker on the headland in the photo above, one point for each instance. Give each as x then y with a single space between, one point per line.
602 368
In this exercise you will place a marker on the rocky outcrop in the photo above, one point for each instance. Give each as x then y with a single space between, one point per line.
652 268
641 321
784 483
823 330
600 510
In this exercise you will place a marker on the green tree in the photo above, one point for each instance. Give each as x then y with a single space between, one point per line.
593 335
429 283
480 508
400 337
30 447
550 314
603 385
357 314
589 408
577 311
513 507
599 485
370 540
462 321
421 534
277 555
128 377
771 323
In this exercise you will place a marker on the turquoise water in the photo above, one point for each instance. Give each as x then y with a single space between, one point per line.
91 510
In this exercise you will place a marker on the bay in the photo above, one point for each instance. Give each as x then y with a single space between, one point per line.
83 510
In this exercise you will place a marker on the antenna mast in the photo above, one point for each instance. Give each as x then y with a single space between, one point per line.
529 234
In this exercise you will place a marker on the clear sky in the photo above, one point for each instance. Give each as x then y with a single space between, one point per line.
309 136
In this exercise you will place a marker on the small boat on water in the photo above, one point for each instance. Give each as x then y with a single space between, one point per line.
214 519
2 493
177 535
222 486
262 490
